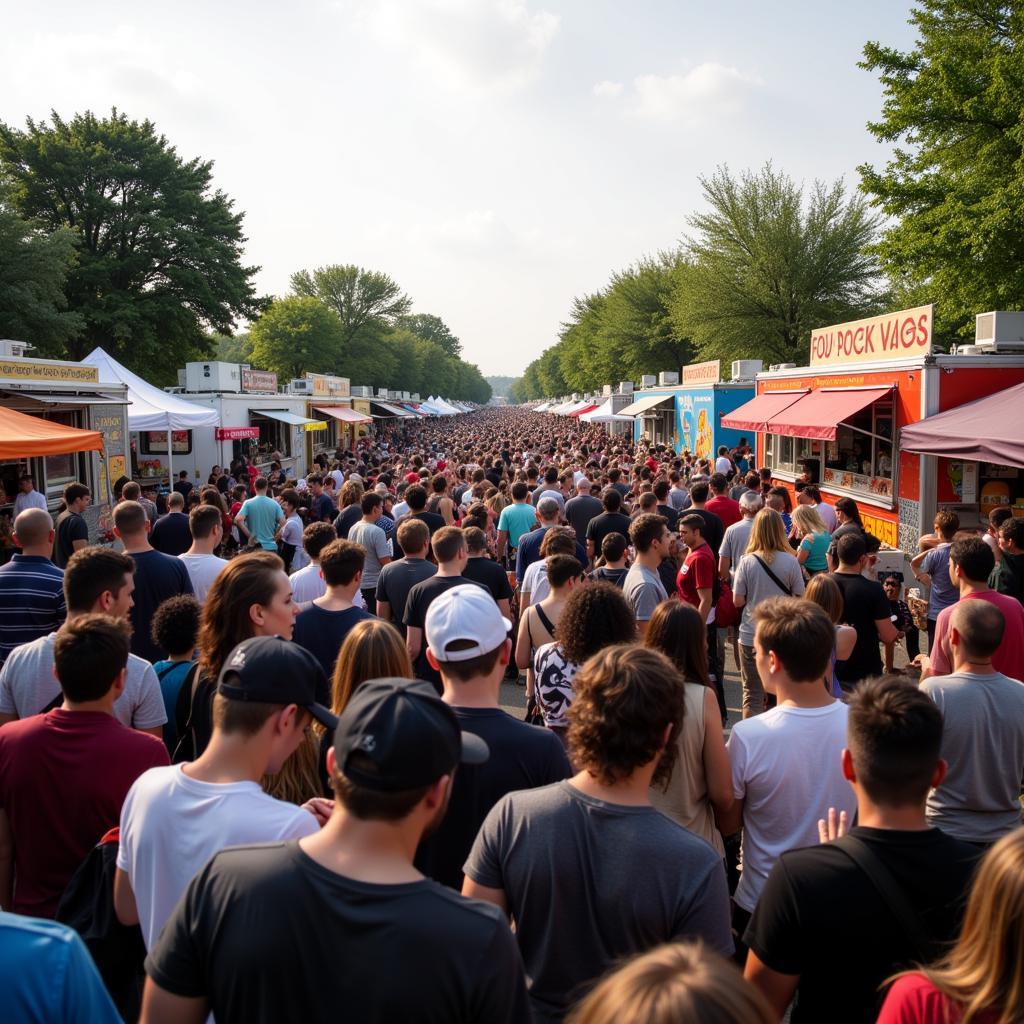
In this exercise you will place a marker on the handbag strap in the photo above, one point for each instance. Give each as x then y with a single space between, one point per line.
544 620
889 889
775 579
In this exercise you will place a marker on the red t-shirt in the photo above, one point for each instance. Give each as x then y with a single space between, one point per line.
725 508
913 999
63 778
697 573
1009 659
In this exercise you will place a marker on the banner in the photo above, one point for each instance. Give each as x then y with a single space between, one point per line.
259 380
236 433
69 373
326 386
703 373
877 338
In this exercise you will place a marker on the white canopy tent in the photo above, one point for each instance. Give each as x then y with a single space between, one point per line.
149 408
561 409
447 408
543 407
604 414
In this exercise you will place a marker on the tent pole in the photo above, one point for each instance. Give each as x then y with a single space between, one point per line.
170 460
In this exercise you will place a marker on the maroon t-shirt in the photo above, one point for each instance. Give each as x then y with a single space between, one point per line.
697 573
63 778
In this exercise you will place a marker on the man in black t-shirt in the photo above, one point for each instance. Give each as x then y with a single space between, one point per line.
400 575
822 929
611 520
451 555
72 532
340 925
866 608
467 642
481 569
714 529
171 533
580 510
416 499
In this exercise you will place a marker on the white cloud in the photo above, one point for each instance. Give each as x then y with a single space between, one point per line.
608 89
479 46
705 91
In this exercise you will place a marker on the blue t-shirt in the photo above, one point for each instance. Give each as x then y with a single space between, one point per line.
46 974
816 545
262 514
171 675
944 592
516 520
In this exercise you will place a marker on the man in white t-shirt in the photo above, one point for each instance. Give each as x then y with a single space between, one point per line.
786 768
176 818
203 565
723 464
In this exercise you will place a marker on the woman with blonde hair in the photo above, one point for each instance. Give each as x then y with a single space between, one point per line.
814 539
768 569
701 781
682 983
981 979
825 592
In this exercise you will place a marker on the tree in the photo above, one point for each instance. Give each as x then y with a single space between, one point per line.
34 265
367 301
763 267
159 250
295 335
233 348
952 106
432 328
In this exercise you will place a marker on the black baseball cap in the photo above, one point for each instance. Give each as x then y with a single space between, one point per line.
272 670
407 734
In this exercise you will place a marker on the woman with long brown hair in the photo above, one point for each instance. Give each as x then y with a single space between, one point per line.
981 979
700 784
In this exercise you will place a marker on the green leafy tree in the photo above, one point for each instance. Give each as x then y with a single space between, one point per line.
159 249
232 348
764 266
296 335
549 373
432 328
585 359
954 185
34 265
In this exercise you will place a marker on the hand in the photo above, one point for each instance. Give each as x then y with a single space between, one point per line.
833 828
320 808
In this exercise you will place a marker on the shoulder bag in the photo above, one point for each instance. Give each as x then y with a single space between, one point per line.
775 579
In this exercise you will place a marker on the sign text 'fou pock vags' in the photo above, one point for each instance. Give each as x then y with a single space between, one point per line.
874 339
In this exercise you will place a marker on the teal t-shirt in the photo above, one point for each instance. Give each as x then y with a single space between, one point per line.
262 514
516 520
816 544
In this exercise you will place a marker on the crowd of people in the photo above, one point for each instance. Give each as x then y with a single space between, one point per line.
255 763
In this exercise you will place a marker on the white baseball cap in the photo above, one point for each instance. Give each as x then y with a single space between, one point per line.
467 613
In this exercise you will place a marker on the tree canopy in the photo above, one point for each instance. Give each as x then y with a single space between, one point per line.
432 328
159 249
296 335
954 108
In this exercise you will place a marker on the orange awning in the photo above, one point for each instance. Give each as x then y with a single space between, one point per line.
753 415
25 437
343 413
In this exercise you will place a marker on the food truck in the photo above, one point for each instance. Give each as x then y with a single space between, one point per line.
68 424
837 422
688 416
330 400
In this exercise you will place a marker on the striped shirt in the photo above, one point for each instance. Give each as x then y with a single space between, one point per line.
31 601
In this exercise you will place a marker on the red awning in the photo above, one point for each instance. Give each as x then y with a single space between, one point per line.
343 413
753 415
579 412
820 412
985 430
23 437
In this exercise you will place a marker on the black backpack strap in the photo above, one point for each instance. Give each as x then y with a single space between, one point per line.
892 894
775 579
545 621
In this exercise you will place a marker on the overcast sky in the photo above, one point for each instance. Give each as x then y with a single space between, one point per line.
496 157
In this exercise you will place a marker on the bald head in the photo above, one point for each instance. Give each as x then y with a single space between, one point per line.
976 630
33 532
583 486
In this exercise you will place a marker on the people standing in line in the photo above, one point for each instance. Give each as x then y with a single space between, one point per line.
416 498
970 566
322 626
720 504
170 534
611 520
131 491
72 530
207 530
372 539
678 495
713 531
467 643
289 533
183 485
786 762
642 587
347 894
587 868
321 507
825 593
1008 575
175 818
398 577
559 540
175 631
582 508
850 523
983 737
548 513
483 570
699 790
734 543
903 620
809 494
64 774
259 518
612 566
979 978
97 580
865 607
931 567
814 539
308 582
157 576
821 921
515 520
31 586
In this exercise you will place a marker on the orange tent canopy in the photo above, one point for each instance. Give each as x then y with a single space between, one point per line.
23 437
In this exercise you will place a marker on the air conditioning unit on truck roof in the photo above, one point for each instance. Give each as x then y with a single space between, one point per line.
746 369
648 380
300 386
999 331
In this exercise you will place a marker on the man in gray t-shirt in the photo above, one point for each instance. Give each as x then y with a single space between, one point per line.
588 875
642 587
374 541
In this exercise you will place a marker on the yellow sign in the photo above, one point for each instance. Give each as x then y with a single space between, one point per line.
883 529
703 373
316 425
117 466
68 373
877 338
326 386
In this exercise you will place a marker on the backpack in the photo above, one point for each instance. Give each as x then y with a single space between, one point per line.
726 612
193 715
